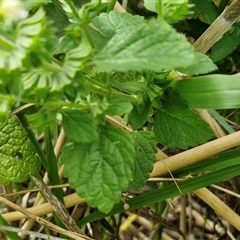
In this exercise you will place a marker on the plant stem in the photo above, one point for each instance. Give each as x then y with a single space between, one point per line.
32 138
111 5
74 11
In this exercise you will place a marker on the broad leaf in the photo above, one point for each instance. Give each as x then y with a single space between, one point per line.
154 46
101 170
145 149
206 10
17 154
203 65
119 105
176 126
104 26
211 91
222 48
79 126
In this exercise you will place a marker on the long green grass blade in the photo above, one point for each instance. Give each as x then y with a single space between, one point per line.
169 191
10 235
210 92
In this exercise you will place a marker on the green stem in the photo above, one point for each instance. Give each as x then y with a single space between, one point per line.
88 36
159 8
74 10
33 139
111 5
57 61
4 42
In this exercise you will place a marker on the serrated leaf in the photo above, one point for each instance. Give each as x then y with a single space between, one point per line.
203 65
17 154
206 10
79 126
145 150
210 91
49 77
154 46
222 48
140 114
106 25
44 118
27 32
171 11
176 126
101 170
119 105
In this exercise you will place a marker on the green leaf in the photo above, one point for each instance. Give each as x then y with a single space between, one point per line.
17 154
45 117
206 10
79 126
145 149
26 34
9 234
203 65
101 170
171 11
175 125
140 114
49 77
221 161
154 46
106 25
211 91
222 48
119 105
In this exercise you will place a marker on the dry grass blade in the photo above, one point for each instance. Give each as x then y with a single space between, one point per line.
59 208
26 232
196 154
43 209
218 27
42 221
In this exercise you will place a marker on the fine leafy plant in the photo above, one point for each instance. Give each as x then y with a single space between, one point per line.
95 63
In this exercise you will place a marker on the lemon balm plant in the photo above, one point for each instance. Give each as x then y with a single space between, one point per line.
78 66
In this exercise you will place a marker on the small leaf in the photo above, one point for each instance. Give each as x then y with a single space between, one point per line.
171 11
203 65
119 105
138 117
154 46
145 149
101 170
17 154
79 126
176 125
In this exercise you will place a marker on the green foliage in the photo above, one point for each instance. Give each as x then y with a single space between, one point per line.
222 48
206 10
171 11
17 154
211 91
100 170
78 64
79 126
129 50
178 126
108 24
145 156
203 65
